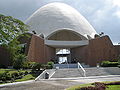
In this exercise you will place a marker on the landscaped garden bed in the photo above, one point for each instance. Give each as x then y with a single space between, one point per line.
21 74
13 75
97 86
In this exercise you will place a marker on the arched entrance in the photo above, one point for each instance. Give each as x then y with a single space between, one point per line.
63 55
62 41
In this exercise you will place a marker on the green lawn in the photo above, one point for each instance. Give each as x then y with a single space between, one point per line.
113 87
79 86
25 78
110 87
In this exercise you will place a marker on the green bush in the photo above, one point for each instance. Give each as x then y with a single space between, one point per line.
5 76
8 76
15 74
31 65
109 64
47 66
21 73
36 66
20 61
50 65
26 72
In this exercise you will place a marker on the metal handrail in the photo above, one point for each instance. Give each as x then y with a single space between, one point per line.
80 66
68 64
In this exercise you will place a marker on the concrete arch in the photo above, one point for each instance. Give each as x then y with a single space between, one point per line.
65 35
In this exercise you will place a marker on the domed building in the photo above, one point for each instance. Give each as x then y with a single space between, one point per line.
61 34
54 18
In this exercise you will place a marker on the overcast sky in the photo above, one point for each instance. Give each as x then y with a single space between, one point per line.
104 15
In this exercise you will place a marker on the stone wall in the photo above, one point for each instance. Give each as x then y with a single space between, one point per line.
79 54
4 57
98 50
117 48
36 49
50 53
39 52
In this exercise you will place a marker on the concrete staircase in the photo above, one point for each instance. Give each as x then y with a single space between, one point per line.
63 66
74 72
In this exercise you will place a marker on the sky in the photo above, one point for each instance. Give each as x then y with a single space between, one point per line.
103 15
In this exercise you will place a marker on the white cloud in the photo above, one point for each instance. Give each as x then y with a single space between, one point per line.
117 13
116 3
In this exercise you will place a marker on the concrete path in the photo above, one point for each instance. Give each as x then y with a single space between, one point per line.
57 84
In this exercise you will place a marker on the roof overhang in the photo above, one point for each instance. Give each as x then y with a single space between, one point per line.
66 44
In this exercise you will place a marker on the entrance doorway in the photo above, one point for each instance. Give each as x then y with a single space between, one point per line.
63 55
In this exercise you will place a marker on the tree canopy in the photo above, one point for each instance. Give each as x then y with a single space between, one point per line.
10 29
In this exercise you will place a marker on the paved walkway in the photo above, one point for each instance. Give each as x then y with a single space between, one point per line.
57 84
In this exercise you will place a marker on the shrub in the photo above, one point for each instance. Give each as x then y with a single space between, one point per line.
31 65
8 76
109 64
50 65
36 66
26 72
47 66
19 61
5 76
15 74
25 65
21 73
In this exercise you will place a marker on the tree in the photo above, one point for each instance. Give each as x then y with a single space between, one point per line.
10 29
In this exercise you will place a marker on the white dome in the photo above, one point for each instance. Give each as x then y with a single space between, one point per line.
58 16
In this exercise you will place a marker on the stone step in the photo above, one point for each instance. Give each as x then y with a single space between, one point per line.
62 66
74 72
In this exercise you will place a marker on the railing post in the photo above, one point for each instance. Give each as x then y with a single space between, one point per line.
84 72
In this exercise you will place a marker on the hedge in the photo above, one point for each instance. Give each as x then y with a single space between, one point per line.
109 64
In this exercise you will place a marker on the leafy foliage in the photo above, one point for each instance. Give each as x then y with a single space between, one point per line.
109 64
11 76
20 61
10 29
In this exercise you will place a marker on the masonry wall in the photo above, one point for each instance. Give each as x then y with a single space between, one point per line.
98 50
50 53
4 57
79 54
36 49
117 48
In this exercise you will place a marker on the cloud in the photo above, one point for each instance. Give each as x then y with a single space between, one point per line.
116 3
117 13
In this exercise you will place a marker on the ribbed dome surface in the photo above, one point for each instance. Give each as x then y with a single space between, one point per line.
58 16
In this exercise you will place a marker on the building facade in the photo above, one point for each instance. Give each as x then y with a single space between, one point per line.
56 27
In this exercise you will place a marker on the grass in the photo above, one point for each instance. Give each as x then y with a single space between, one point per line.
26 77
113 87
110 87
79 86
